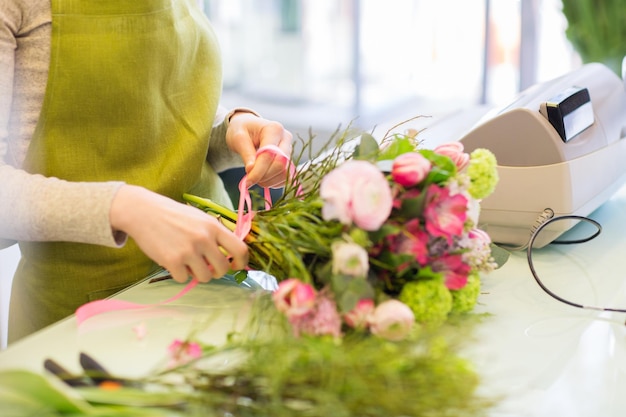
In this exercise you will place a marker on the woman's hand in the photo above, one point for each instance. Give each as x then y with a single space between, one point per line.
246 134
181 238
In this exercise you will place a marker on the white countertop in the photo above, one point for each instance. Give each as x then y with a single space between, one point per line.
549 358
218 308
543 357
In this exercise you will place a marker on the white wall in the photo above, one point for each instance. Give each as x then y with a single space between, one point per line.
8 262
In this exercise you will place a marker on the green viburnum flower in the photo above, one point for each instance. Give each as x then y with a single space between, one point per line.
464 299
429 299
482 172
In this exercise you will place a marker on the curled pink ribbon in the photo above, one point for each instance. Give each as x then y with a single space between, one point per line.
244 218
244 223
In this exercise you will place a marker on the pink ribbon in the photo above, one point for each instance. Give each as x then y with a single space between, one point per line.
96 307
244 224
244 218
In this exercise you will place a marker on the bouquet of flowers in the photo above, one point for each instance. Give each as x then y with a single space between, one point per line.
374 246
385 235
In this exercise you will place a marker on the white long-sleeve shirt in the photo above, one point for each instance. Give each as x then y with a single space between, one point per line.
33 207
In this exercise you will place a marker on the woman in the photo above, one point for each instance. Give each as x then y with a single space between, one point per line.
108 114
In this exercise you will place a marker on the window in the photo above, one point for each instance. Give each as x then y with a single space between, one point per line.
320 63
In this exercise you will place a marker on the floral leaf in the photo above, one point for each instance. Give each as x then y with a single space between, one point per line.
240 276
427 272
349 290
442 169
132 397
386 230
412 207
499 254
24 393
367 148
397 147
393 261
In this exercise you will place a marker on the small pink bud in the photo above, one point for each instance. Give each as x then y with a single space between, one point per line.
454 150
480 235
182 352
294 298
410 169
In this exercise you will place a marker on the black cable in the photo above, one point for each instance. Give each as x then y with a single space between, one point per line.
565 242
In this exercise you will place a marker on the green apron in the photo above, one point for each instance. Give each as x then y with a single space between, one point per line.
132 91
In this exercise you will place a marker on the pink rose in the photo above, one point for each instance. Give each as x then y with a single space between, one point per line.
356 192
410 169
454 150
358 317
294 298
392 320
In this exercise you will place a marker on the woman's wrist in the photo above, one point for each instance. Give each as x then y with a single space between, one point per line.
123 206
239 111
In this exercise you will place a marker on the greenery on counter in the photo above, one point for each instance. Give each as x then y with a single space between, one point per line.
280 376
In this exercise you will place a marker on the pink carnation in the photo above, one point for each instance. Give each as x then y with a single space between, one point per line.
323 319
413 241
454 150
410 169
445 215
455 271
356 192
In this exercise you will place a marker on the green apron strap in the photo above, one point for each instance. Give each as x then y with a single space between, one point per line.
132 90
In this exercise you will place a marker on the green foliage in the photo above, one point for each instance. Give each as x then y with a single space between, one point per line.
264 371
367 148
24 393
442 167
348 291
412 207
292 239
500 255
396 147
597 29
357 376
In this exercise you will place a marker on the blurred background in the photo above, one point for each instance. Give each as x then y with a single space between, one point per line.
321 63
317 65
